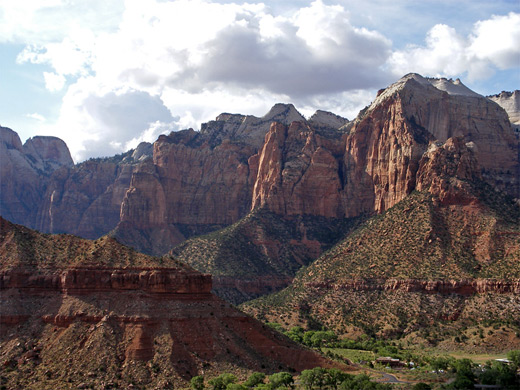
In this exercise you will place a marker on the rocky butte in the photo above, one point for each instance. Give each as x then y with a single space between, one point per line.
88 313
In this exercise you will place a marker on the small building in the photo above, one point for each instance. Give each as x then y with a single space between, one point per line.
388 361
505 361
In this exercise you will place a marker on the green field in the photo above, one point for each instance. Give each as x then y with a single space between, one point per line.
477 358
354 355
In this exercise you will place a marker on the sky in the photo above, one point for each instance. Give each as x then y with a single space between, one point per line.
104 75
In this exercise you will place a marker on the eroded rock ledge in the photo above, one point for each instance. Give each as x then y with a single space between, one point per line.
88 279
462 287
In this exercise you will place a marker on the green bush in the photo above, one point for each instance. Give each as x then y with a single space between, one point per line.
221 382
197 382
254 379
282 380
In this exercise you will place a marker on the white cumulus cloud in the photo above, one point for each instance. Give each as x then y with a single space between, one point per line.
187 61
133 69
493 43
497 40
54 81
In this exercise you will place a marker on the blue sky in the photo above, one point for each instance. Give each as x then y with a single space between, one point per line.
106 75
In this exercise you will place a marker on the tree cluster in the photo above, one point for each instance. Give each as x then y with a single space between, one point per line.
314 379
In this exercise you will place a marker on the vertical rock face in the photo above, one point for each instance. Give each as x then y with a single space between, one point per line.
509 101
387 141
197 181
25 171
446 109
381 159
298 173
187 188
301 172
86 199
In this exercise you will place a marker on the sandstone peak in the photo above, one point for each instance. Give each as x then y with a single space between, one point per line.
283 113
248 129
452 87
509 101
10 139
47 153
327 119
143 151
425 85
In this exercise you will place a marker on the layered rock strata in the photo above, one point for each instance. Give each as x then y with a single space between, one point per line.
326 167
86 322
153 316
375 164
460 287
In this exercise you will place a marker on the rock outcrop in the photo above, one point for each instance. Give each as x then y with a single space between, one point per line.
298 173
91 279
201 181
509 101
47 153
388 139
301 171
197 181
460 287
25 172
85 199
432 135
325 119
91 322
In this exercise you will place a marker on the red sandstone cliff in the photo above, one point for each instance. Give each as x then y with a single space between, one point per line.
200 181
298 172
197 182
301 172
68 318
326 167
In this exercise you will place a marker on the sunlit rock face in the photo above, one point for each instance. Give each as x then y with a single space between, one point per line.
301 172
509 101
190 183
197 181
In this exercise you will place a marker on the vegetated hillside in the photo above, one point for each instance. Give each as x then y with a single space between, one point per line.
262 252
23 247
80 314
421 239
424 271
